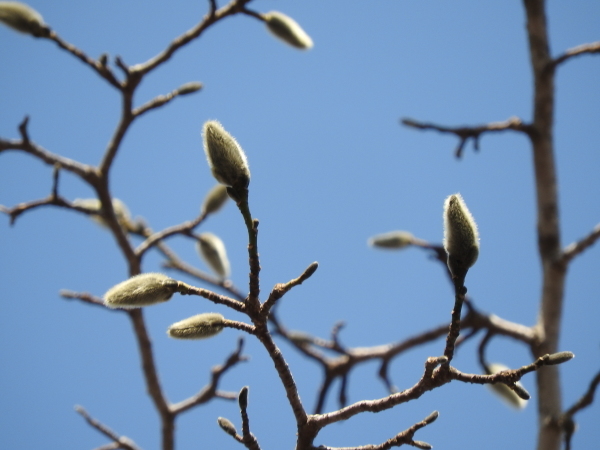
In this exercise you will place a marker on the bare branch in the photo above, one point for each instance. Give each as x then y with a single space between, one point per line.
154 238
578 247
585 49
248 439
159 101
283 288
474 133
87 298
566 422
186 289
97 66
210 390
123 441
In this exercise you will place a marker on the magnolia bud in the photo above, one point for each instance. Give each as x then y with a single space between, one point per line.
141 290
227 426
121 211
243 397
461 239
201 326
212 250
215 199
288 30
559 358
226 158
189 88
505 393
393 239
23 18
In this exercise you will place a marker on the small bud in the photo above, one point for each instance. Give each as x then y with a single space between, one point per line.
505 393
227 426
393 239
201 326
226 158
422 445
141 290
215 199
559 358
431 417
189 88
243 398
121 211
288 30
212 250
300 338
461 239
23 18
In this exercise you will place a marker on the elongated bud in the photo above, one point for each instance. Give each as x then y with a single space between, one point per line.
212 250
227 426
505 393
23 18
288 30
225 157
461 238
243 398
422 445
202 326
189 88
141 290
559 358
215 199
393 240
431 417
121 212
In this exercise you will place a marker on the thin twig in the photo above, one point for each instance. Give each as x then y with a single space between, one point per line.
123 441
281 289
584 49
578 247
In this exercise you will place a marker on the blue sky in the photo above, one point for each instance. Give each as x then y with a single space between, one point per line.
331 166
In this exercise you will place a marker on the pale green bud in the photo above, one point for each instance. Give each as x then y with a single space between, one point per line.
201 326
243 397
141 290
227 426
212 250
215 199
23 18
121 211
225 157
505 393
288 30
461 239
393 240
559 358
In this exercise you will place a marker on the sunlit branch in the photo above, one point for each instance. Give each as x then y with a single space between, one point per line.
584 49
123 441
578 247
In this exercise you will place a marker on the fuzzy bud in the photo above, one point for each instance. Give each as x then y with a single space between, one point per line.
559 358
201 326
212 250
227 426
461 239
23 18
509 396
422 445
215 199
393 240
141 290
225 157
288 30
121 211
243 398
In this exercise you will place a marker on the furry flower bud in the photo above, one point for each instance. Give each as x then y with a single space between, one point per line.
393 239
461 238
505 393
215 199
243 398
141 290
23 18
227 426
121 211
288 30
225 157
189 88
201 326
212 250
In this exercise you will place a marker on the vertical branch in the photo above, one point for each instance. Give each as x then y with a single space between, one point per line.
548 230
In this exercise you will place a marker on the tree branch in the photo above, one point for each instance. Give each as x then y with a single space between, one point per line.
474 133
585 49
122 441
578 247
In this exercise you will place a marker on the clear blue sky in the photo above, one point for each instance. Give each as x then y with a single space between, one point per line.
331 166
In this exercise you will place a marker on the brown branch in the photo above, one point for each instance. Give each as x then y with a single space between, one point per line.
234 7
474 133
122 441
283 288
248 439
87 298
97 66
209 391
585 49
154 238
404 437
158 101
578 247
186 289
